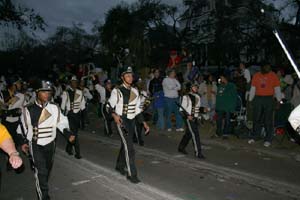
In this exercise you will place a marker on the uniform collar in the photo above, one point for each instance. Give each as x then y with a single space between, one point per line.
41 105
128 88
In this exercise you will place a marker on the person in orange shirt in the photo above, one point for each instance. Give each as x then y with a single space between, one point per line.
8 146
264 86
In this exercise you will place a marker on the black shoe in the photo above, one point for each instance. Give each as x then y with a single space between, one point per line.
183 151
214 136
78 156
133 179
121 171
108 134
70 152
225 137
141 143
201 156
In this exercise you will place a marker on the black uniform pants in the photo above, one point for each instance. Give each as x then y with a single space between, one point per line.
126 158
138 136
107 120
83 118
43 162
74 122
191 132
263 116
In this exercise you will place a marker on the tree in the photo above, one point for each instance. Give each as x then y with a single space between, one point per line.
227 31
134 28
20 16
293 8
72 44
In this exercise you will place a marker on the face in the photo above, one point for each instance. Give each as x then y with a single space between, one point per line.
156 73
108 85
242 66
81 83
12 88
128 78
195 89
210 78
44 96
279 74
172 74
74 84
18 86
223 79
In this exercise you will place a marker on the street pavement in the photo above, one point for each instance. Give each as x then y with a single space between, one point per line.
233 170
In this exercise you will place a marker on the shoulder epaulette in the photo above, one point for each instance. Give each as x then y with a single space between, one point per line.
29 105
53 103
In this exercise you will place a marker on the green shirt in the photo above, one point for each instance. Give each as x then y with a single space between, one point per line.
226 97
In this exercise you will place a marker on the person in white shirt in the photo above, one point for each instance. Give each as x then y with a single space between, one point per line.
101 95
40 122
14 102
171 87
73 103
191 109
87 97
208 90
294 119
124 104
245 72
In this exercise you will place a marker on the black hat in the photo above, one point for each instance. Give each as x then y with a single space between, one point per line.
189 85
107 81
74 78
12 80
41 85
127 70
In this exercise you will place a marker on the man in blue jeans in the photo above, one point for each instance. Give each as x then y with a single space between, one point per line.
156 91
171 87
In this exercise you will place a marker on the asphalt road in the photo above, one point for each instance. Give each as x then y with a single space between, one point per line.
226 174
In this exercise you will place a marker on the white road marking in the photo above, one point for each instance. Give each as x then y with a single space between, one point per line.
155 162
114 181
80 182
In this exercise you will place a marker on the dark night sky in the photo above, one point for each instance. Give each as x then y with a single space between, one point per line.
65 12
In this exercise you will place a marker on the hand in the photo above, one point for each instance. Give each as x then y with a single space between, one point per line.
117 119
190 117
72 138
15 161
206 110
147 128
25 148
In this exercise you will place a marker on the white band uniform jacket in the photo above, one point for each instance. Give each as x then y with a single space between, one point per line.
187 104
50 119
294 118
17 101
78 103
133 107
143 97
